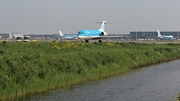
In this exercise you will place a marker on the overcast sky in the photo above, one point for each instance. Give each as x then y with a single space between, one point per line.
69 16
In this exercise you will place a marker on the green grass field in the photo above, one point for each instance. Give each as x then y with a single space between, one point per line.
33 67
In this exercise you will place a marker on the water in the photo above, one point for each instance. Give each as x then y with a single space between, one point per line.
153 83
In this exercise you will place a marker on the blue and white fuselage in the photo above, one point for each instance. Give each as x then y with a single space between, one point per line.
68 37
89 34
92 34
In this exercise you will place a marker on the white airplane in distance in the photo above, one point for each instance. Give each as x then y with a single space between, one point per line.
164 37
68 37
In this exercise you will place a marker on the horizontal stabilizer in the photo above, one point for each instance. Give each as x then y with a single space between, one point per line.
103 24
107 22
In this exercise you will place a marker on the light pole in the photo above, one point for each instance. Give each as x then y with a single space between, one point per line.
22 30
43 32
68 29
136 32
178 32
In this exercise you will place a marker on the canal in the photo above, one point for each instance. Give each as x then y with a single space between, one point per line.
159 82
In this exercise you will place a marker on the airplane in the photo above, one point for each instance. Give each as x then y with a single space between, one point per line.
68 37
92 34
17 37
165 37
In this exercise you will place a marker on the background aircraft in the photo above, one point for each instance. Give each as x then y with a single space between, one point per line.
68 37
165 37
92 34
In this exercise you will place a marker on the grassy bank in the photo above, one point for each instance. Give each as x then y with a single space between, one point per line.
27 68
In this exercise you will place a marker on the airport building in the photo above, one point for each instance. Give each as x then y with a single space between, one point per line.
152 34
36 36
4 35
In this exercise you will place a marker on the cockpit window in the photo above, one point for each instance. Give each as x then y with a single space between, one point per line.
81 32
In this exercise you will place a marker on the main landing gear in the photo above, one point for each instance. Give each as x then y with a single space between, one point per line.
87 41
100 41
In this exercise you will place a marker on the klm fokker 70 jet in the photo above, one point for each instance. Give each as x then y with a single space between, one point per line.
86 35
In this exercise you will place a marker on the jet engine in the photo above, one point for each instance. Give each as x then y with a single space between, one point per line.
104 33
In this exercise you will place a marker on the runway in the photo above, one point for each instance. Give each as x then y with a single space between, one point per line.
119 41
141 41
149 41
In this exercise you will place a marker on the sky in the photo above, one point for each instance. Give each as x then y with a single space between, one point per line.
70 16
